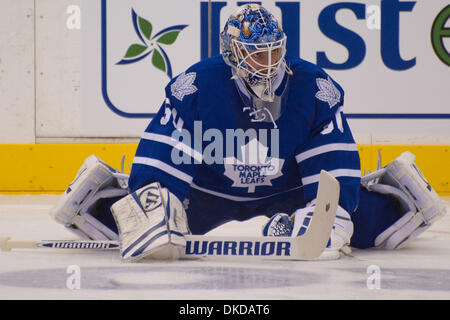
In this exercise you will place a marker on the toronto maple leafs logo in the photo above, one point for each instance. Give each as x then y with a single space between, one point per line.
327 92
255 168
183 85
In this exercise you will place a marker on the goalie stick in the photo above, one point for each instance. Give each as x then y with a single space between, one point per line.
306 247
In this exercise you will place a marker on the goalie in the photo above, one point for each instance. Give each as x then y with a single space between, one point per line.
177 186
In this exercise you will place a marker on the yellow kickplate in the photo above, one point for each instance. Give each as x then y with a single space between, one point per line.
49 168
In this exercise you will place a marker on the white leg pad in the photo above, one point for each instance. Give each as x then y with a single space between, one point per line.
422 207
95 180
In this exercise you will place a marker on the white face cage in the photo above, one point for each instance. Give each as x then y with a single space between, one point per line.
259 62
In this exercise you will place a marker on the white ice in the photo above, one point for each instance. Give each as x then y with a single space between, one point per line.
419 271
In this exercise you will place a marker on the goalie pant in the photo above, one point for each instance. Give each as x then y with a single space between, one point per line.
375 213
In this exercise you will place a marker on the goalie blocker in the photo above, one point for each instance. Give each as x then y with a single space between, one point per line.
152 223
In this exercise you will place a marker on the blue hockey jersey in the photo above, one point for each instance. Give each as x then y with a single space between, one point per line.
207 146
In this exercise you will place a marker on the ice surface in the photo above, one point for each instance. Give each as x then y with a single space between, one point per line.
419 271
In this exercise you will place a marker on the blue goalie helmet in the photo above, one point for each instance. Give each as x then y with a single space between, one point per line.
254 45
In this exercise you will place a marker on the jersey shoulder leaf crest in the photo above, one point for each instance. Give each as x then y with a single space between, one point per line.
328 92
183 85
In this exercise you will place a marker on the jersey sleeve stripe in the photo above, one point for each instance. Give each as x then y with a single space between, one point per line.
324 149
335 173
164 167
174 143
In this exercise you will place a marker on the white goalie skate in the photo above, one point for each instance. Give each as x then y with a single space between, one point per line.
403 180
